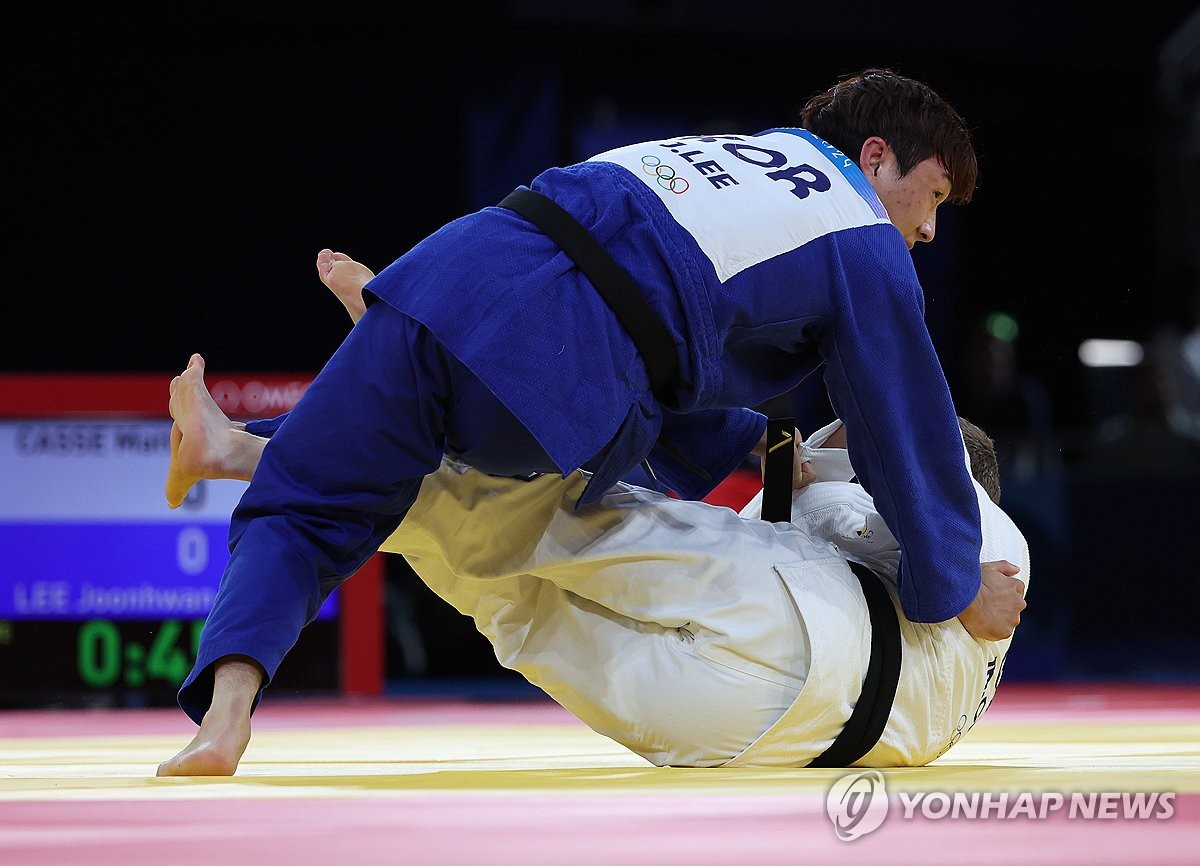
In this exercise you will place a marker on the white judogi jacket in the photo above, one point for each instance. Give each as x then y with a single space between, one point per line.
693 635
947 677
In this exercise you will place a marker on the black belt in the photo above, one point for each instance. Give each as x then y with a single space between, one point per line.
777 470
870 714
612 281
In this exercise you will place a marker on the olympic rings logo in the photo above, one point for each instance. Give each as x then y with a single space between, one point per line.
664 175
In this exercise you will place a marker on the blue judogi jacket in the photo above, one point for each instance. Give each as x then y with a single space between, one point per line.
762 255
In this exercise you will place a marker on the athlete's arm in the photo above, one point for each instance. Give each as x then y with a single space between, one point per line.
886 383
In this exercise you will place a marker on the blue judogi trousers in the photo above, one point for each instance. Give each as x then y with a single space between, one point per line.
343 468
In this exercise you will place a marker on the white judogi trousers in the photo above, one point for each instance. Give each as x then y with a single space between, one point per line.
689 634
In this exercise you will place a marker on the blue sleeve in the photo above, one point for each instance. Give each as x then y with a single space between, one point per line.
266 427
697 450
887 385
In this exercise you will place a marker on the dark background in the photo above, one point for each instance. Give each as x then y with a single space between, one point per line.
172 172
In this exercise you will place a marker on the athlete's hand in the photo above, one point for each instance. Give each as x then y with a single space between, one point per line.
996 610
802 471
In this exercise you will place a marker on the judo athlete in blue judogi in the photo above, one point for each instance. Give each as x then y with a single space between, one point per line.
758 257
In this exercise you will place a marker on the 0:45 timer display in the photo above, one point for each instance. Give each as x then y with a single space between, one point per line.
135 662
107 656
44 658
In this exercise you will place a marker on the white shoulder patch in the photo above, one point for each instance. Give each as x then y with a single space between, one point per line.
748 198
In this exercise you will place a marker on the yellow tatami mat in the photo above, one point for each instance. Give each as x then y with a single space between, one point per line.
1088 774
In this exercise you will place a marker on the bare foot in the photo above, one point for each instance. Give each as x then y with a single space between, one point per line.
345 278
216 749
224 731
204 442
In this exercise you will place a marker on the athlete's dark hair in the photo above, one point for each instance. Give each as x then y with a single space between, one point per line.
914 120
981 451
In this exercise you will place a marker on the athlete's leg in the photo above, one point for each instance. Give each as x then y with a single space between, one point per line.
204 442
345 278
339 475
225 732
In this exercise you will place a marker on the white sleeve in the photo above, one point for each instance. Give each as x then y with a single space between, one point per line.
844 514
828 464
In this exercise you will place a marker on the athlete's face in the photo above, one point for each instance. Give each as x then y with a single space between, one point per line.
911 201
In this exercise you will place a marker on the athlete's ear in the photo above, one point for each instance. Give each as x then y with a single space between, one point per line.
872 155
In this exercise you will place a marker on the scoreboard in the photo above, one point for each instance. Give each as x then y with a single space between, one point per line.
103 588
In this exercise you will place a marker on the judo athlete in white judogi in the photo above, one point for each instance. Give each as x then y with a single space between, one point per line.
694 635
